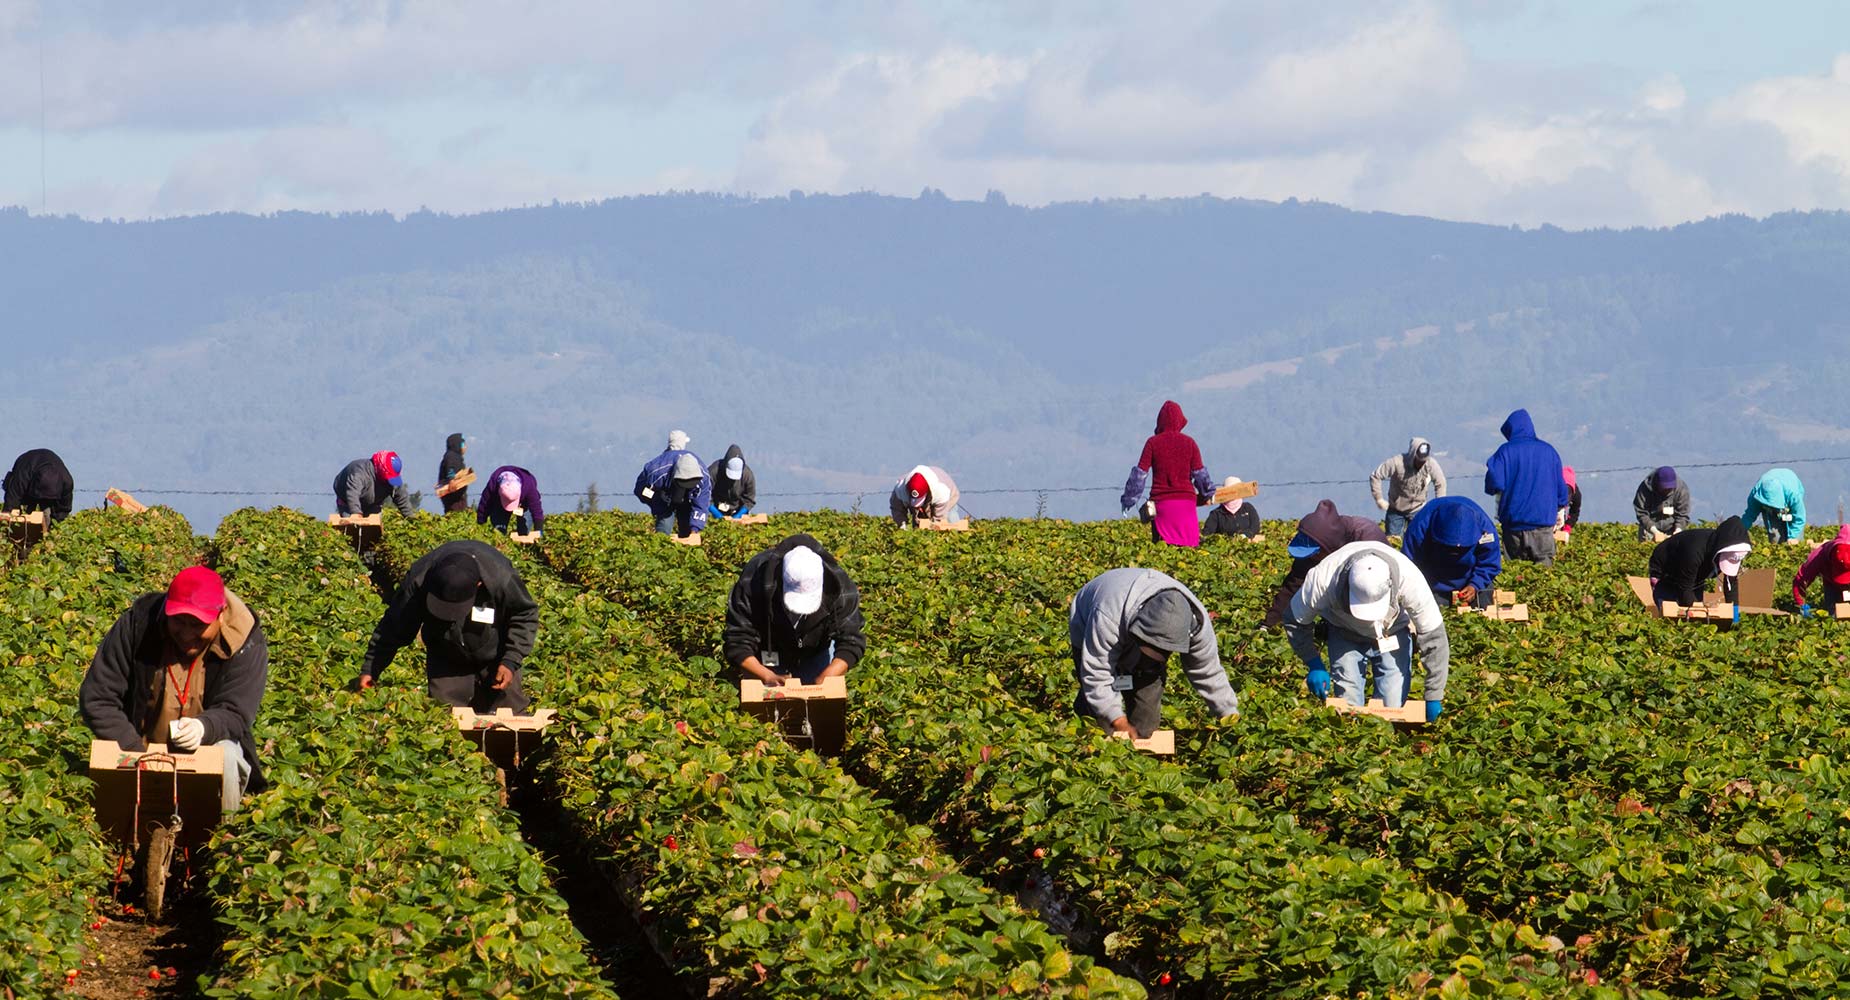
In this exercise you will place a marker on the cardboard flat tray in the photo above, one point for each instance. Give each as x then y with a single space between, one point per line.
527 539
811 716
747 519
124 501
1413 712
459 481
20 517
693 539
1561 537
504 737
356 520
1161 743
197 779
1238 491
960 525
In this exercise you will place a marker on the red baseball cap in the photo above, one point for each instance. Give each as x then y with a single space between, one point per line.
918 488
1840 565
196 591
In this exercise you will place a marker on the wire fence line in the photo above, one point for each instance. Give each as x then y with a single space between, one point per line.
992 491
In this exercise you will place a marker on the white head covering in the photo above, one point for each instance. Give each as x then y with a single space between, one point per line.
802 580
1232 506
1728 560
735 467
687 467
1369 585
677 440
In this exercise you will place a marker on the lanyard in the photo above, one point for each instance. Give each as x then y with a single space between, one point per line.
185 690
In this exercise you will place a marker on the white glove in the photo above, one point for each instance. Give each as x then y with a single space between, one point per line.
1383 504
186 733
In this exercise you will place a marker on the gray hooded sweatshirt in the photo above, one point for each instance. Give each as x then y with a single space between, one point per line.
1325 595
1100 630
1407 480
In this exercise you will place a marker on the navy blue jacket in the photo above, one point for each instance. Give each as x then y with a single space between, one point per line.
1525 477
1454 543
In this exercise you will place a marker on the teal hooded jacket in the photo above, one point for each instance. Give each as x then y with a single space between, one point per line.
1778 492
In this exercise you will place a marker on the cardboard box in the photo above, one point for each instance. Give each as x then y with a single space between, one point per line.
461 480
196 778
1238 491
506 738
527 539
1561 537
693 539
1161 743
1755 588
811 716
1413 712
25 530
124 501
363 530
1503 608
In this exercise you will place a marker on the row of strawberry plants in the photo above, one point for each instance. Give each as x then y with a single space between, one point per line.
54 608
765 868
1186 880
379 863
1643 892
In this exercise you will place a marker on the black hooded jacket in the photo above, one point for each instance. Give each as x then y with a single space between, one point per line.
1331 531
739 495
453 462
468 646
1683 563
39 481
756 620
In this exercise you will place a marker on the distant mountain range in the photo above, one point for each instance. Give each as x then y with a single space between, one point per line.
841 340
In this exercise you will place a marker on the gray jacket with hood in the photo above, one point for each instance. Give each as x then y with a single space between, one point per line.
1325 595
1407 480
1103 646
732 495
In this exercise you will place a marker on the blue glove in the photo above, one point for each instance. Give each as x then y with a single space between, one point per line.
714 511
1317 680
1433 708
1804 611
743 511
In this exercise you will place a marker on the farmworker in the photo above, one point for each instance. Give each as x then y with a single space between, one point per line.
676 488
1779 498
39 481
1661 505
1320 533
793 613
1124 626
511 501
1235 517
478 623
1454 544
1409 477
1830 563
1376 604
454 448
1171 469
927 493
185 668
735 488
1525 477
1683 563
1569 515
363 486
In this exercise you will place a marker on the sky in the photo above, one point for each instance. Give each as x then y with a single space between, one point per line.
1596 113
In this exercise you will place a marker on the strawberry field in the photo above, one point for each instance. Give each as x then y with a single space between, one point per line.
1611 805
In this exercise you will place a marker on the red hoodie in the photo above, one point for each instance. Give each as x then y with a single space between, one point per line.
1171 456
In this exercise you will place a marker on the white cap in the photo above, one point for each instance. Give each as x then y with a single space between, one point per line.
687 467
1728 560
1230 481
802 580
735 467
1369 585
677 439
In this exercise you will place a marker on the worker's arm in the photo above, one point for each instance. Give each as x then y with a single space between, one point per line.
105 686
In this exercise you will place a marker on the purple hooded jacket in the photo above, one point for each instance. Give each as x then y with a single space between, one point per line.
490 511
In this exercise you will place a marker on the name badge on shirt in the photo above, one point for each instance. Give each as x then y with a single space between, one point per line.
769 659
1387 643
485 616
647 493
1486 538
1120 682
1784 516
1844 596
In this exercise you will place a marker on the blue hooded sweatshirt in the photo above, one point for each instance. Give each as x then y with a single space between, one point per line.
658 476
1525 477
1779 491
1453 542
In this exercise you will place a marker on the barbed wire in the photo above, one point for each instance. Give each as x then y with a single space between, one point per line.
860 495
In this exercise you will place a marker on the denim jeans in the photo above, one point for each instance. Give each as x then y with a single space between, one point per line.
678 522
807 670
1396 523
1352 663
237 775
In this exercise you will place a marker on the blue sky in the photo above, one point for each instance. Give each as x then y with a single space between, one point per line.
1577 114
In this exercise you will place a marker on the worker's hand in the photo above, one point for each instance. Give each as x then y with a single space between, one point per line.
1433 708
1122 724
366 682
186 733
1464 595
1317 679
1383 504
503 677
1127 510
